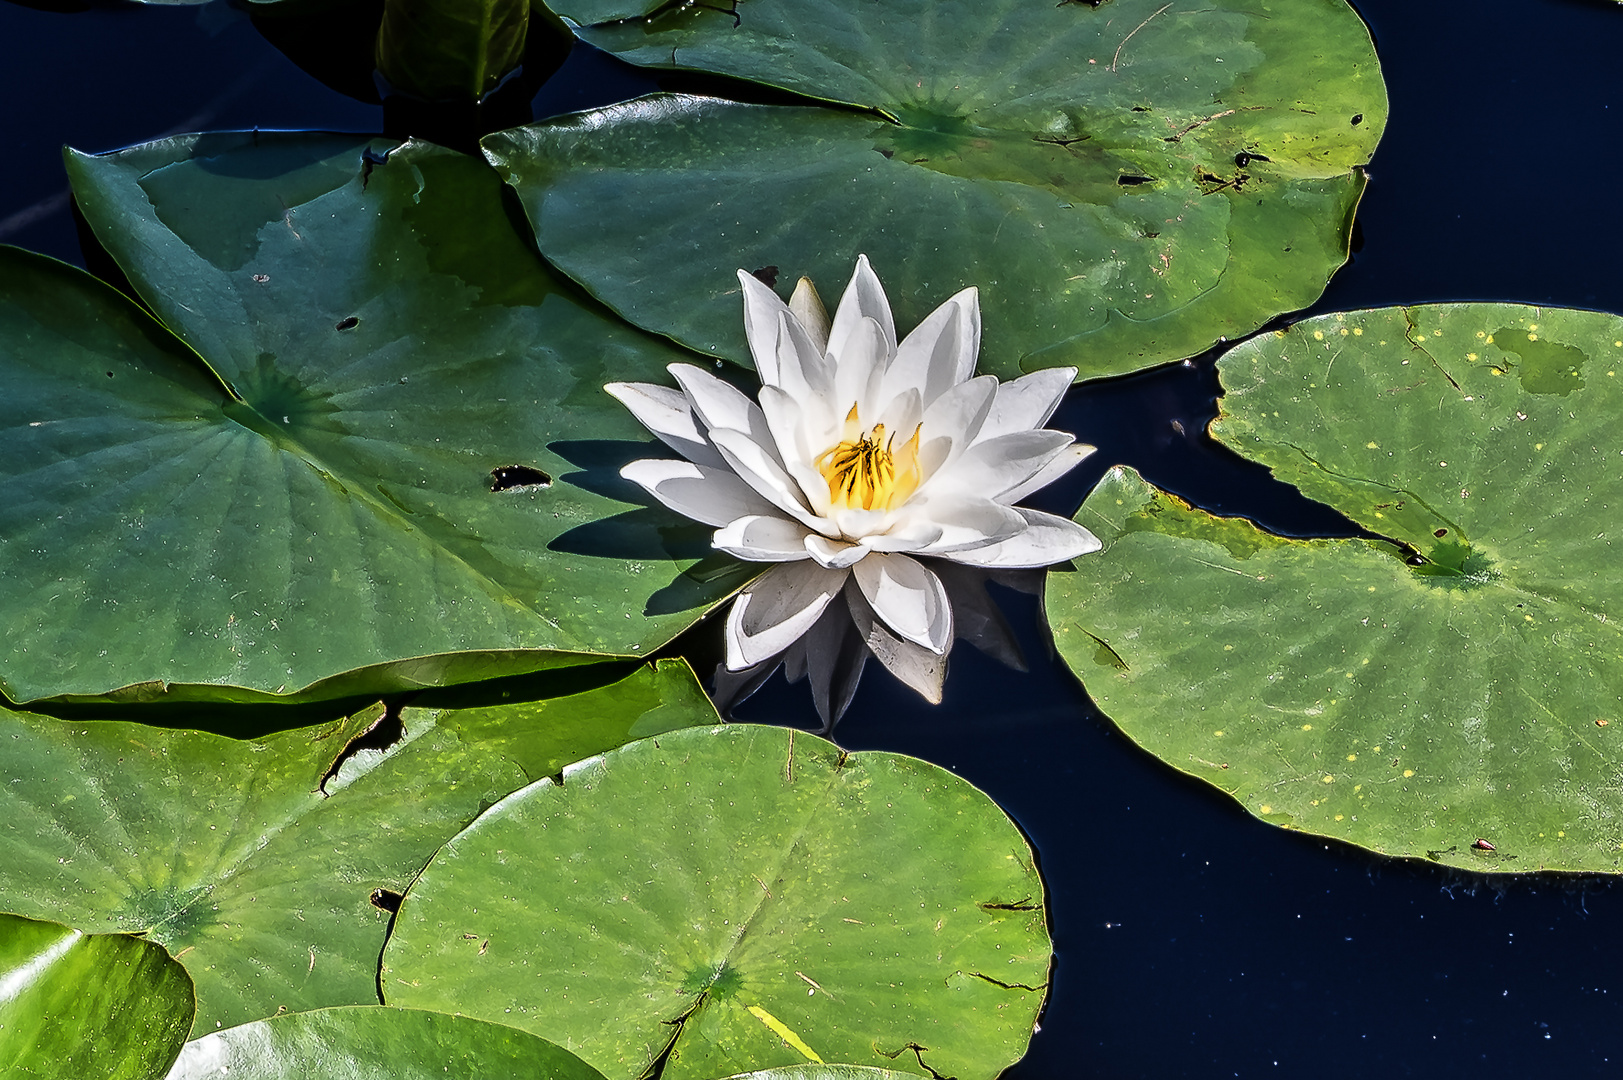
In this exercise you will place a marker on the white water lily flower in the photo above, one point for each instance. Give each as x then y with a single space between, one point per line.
861 457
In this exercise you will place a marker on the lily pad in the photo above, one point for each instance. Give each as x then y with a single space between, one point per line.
76 1004
375 1041
732 898
403 449
268 867
824 1072
1127 183
1454 692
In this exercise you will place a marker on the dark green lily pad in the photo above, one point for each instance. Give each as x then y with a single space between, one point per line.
1126 183
76 1004
376 1041
740 897
1455 695
385 351
256 862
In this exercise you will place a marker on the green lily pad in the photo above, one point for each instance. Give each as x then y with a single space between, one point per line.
375 1041
451 49
255 862
76 1004
824 1072
1126 183
1455 693
736 898
385 350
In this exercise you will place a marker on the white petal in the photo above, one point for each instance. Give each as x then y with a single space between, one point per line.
808 308
993 466
718 403
1064 462
911 532
762 312
787 422
665 411
760 469
909 598
776 608
834 554
956 416
940 352
916 666
713 496
864 298
1047 539
803 371
1027 402
966 521
859 370
763 538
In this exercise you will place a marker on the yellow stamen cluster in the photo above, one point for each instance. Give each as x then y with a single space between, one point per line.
869 472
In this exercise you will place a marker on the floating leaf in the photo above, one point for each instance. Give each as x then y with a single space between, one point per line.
737 897
76 1004
451 50
376 1041
1456 695
824 1072
384 344
1126 183
269 867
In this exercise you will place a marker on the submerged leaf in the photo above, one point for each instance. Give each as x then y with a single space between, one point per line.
451 50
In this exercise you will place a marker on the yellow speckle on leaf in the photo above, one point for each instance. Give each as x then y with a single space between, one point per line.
1538 446
1481 333
1307 727
1340 816
1327 778
1532 337
1490 339
1372 446
1228 648
1560 832
1219 734
1358 331
1318 335
1266 809
1352 757
1343 331
1408 773
1470 356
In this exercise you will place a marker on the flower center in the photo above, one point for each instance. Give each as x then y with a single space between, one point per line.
868 471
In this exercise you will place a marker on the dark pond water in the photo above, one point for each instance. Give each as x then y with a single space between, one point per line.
1193 940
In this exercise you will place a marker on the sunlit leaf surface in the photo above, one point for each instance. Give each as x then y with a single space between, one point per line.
256 862
1455 696
403 449
76 1004
1126 183
374 1041
741 897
